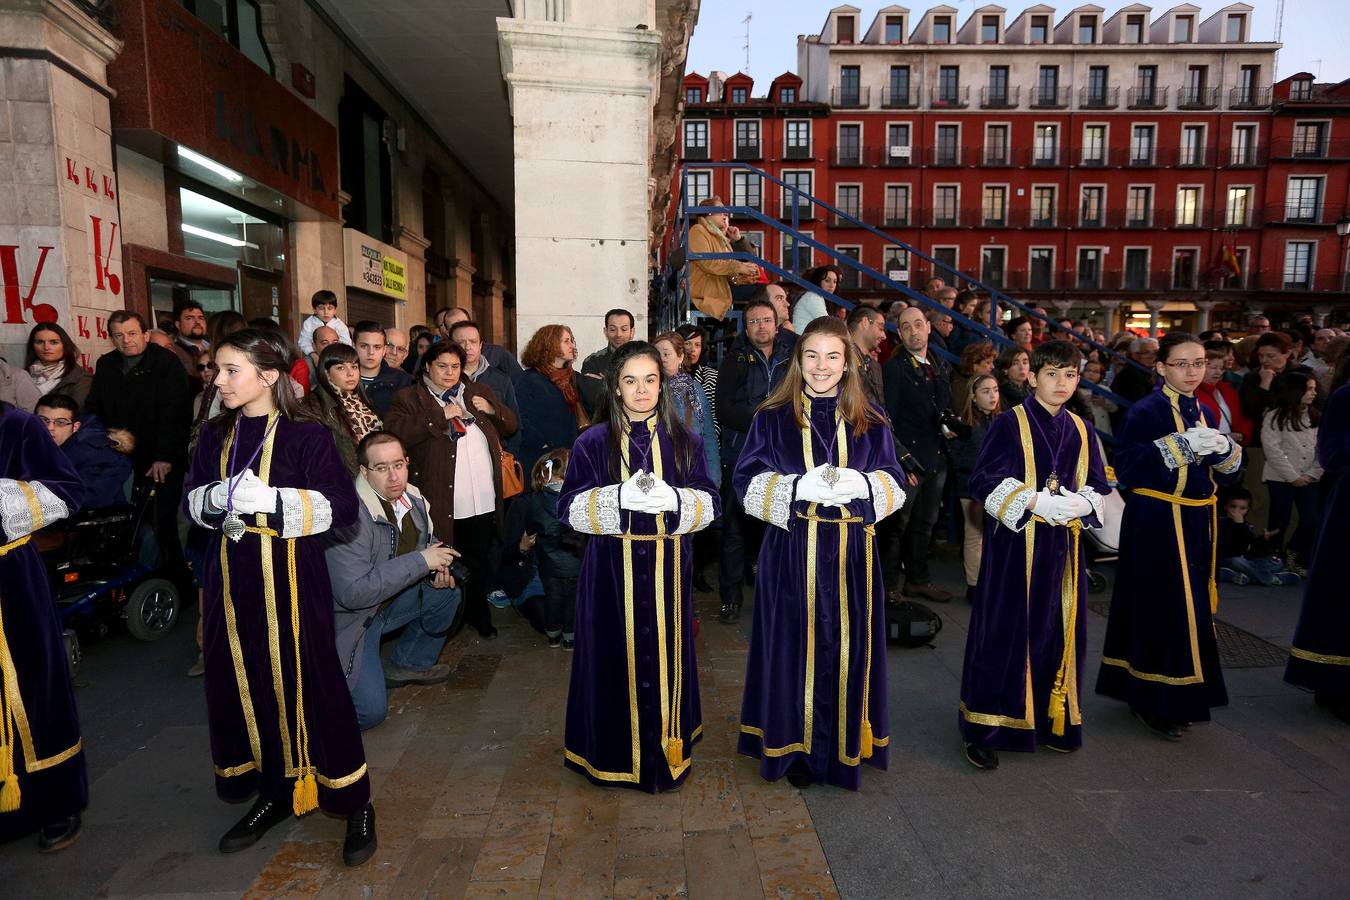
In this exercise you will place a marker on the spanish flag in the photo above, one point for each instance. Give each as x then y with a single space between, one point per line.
1228 261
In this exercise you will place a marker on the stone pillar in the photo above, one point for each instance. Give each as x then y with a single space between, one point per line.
414 308
60 235
581 96
1321 313
1203 309
1154 307
461 291
1109 308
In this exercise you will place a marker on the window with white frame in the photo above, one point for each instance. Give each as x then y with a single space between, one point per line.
848 199
747 137
1238 207
1303 199
801 180
996 145
695 139
848 150
994 266
1136 269
945 199
994 207
898 145
897 205
1141 145
1041 269
798 136
895 264
1046 144
699 186
1243 150
1091 206
1298 265
803 250
1043 206
1310 139
849 280
1138 206
1089 268
1192 145
1184 265
747 190
1188 206
1094 145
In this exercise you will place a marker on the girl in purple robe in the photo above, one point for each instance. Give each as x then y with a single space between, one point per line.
269 482
1040 478
639 484
819 463
1160 655
43 785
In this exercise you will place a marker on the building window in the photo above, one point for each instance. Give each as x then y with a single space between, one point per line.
996 145
1188 206
949 84
367 172
1090 211
801 180
995 206
897 142
1196 78
1235 33
1094 145
1098 79
1138 206
1042 274
897 205
1134 29
848 199
240 23
850 85
1141 145
1244 145
747 139
1301 89
994 267
1087 30
989 30
1047 86
945 259
948 150
844 29
998 86
1181 29
1298 257
1237 211
798 139
699 187
944 205
1303 200
739 95
1192 145
849 277
1039 31
1249 79
1043 207
1136 268
895 29
747 190
899 86
226 234
1089 268
693 96
895 263
787 95
1146 85
1238 281
1310 138
1183 268
942 29
849 150
803 253
695 139
1046 145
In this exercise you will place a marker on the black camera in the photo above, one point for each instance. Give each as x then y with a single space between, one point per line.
460 572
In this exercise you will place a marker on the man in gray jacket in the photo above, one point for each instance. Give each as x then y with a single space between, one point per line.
389 572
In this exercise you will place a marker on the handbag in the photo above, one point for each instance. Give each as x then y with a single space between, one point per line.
513 476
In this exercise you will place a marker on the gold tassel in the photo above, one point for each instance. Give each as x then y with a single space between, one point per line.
311 792
9 794
675 751
866 749
298 797
1058 707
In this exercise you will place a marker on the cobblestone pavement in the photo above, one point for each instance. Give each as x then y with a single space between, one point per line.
472 799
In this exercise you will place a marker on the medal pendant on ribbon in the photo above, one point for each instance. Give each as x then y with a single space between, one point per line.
232 527
830 475
1052 483
646 482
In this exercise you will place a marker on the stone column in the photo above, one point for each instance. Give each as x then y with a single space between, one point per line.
1322 312
581 96
1109 308
60 236
1154 308
414 310
1203 309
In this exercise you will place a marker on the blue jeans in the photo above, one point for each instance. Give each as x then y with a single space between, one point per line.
427 612
1262 570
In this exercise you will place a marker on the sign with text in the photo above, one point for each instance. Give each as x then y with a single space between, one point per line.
375 266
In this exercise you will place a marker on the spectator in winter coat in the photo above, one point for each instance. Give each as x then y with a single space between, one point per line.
379 379
103 469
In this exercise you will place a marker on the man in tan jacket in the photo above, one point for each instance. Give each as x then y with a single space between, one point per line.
710 279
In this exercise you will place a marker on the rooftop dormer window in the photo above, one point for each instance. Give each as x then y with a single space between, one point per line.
942 29
1134 29
989 30
1087 30
1039 30
739 95
693 96
844 29
1300 89
1182 29
787 95
895 29
1235 29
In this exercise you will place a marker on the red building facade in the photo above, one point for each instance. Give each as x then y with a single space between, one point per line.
1111 168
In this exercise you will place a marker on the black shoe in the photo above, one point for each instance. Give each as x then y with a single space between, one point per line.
250 829
730 614
970 593
1059 749
927 591
569 644
360 843
487 632
555 641
59 835
1164 729
982 757
799 779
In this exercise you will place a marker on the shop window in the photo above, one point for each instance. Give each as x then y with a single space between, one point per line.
240 23
220 232
366 173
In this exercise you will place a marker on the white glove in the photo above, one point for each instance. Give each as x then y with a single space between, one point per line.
1056 509
852 485
1202 440
631 497
662 498
1223 445
1081 506
216 496
812 488
252 496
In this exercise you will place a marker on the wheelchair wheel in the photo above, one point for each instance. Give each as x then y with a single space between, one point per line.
152 609
1096 582
73 652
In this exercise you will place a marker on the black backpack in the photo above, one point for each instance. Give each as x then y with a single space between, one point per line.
911 624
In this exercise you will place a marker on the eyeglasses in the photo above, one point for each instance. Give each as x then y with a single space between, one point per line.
1182 366
386 468
753 322
202 367
59 423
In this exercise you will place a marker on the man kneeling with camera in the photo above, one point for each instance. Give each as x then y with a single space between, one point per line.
389 572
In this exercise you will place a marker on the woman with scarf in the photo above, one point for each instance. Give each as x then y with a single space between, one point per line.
53 361
551 411
688 399
452 429
339 401
819 466
267 482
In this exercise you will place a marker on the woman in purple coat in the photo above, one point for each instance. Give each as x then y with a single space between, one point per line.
819 463
269 482
638 482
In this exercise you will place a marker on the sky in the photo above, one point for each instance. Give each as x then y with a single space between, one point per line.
1316 32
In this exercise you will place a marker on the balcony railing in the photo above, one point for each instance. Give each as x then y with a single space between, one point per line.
1049 98
696 153
1198 98
905 98
949 98
806 210
1249 97
1240 157
997 156
749 152
899 155
1314 149
843 221
1188 157
849 156
1294 213
881 217
1147 98
794 151
850 98
1000 97
943 155
1099 98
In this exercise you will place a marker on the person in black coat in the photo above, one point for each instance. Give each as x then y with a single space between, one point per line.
140 393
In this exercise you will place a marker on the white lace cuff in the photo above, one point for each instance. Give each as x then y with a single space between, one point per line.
199 510
696 510
26 506
769 497
1233 461
1091 496
1008 502
1175 451
887 495
303 512
596 511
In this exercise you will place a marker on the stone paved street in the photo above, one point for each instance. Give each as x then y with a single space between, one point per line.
473 801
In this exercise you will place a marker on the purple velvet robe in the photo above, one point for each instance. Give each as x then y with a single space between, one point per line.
252 690
1018 684
1320 656
633 713
1160 655
37 487
815 681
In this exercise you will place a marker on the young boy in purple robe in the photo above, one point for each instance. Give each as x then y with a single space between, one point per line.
1041 480
638 483
819 465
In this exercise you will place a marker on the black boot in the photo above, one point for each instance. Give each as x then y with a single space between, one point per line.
360 843
59 835
730 614
260 819
982 757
